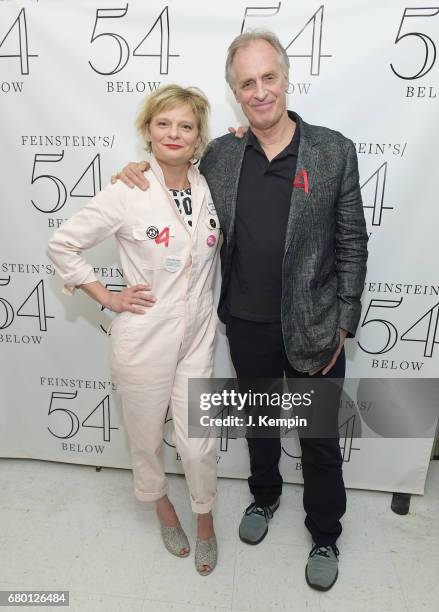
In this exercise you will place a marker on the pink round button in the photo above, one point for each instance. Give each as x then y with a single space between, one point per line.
211 240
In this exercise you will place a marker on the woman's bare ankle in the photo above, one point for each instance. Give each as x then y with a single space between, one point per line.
205 526
166 512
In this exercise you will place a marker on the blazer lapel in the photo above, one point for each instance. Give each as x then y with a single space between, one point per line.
306 172
231 182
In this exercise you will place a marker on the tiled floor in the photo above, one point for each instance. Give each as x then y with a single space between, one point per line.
72 528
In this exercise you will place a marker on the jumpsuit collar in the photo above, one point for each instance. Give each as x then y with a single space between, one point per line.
193 173
198 191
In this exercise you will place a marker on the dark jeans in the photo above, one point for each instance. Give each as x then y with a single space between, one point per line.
257 351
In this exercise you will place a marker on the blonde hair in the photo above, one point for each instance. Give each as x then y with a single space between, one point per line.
168 96
243 40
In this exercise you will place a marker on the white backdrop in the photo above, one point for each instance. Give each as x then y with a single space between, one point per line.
72 75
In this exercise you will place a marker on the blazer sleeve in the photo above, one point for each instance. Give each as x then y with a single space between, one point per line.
101 217
350 245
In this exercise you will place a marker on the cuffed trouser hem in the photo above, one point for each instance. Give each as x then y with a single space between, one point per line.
199 508
148 497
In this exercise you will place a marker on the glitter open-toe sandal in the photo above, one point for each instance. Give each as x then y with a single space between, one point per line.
175 539
206 553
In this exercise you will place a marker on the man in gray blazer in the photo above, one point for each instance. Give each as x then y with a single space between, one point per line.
293 266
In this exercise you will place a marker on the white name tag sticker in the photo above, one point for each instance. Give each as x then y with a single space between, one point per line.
172 264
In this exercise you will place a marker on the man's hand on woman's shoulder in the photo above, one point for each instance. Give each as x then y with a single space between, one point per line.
239 132
132 175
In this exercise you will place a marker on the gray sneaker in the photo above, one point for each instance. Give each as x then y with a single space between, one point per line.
322 568
254 523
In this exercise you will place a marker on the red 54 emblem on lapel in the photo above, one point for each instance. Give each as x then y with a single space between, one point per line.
301 180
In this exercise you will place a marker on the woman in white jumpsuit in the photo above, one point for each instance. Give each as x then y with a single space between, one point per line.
167 239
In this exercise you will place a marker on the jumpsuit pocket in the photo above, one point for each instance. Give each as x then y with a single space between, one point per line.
127 330
151 253
117 342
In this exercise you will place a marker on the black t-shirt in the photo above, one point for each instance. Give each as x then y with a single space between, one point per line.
262 209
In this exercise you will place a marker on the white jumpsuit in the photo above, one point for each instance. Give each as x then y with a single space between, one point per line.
153 355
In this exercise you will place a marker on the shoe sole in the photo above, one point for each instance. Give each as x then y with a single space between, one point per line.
317 587
176 554
254 542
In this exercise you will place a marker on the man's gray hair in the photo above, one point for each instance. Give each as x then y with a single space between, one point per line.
243 40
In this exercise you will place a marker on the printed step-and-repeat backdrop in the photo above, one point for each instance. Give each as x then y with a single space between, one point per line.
72 76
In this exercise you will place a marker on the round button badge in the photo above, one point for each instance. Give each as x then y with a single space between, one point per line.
211 240
152 232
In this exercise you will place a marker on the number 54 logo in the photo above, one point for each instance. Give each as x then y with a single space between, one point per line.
122 48
427 48
423 330
310 35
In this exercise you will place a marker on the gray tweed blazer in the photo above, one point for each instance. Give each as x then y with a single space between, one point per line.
324 265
